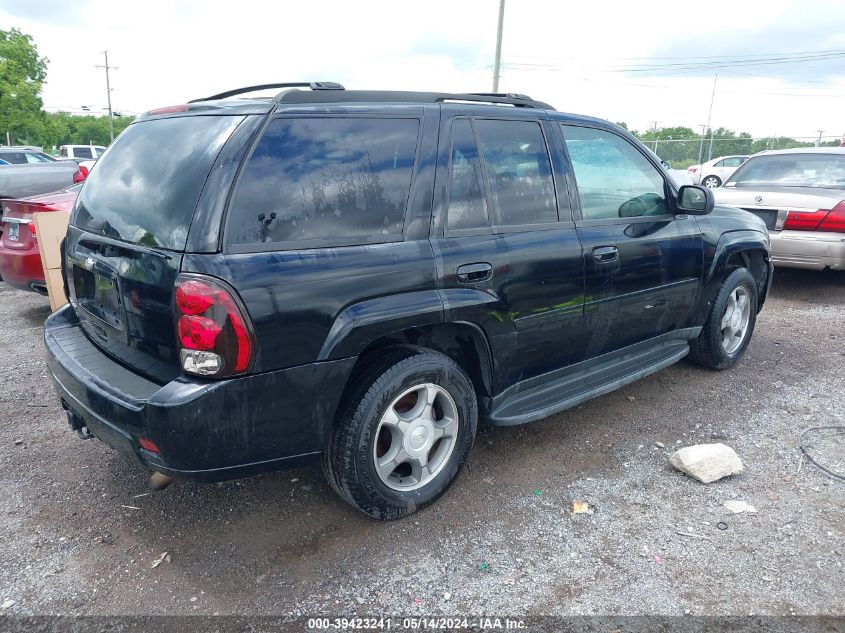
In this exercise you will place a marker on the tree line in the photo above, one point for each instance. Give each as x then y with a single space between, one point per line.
23 120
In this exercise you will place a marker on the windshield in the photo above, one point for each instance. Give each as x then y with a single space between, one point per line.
146 187
791 170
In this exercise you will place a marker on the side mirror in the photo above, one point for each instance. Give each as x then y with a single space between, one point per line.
665 164
695 200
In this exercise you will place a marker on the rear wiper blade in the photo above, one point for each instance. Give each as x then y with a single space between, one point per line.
130 246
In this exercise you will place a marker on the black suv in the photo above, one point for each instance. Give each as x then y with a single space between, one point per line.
361 276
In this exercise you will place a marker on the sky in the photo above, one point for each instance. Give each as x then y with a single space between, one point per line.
644 63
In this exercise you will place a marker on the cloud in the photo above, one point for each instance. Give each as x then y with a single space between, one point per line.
169 52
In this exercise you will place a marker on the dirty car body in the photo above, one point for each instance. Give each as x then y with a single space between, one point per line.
228 332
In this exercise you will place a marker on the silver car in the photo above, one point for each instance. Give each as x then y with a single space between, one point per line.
800 195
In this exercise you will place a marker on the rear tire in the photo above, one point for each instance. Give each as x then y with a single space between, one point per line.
712 182
730 324
404 431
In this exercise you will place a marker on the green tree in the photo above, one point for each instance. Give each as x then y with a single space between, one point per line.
22 73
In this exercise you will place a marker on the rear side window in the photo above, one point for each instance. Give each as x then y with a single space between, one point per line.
316 181
467 200
519 171
145 189
15 158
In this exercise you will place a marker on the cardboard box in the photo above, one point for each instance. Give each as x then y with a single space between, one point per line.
51 228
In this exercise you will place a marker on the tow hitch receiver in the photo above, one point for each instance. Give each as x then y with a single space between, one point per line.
77 423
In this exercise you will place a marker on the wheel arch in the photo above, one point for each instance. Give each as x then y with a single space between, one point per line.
464 342
747 249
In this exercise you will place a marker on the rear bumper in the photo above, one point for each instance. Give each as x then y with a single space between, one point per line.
206 431
815 250
22 268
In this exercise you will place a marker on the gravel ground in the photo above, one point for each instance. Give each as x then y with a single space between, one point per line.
79 530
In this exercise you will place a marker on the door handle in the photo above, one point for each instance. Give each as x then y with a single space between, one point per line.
469 273
605 254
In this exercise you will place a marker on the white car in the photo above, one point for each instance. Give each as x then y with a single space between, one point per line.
800 195
714 172
80 152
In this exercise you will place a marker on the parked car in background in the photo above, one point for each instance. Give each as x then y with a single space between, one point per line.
20 257
362 276
21 181
800 195
24 155
81 152
714 172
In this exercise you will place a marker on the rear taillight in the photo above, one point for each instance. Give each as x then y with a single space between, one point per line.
214 333
835 220
804 220
692 170
81 174
31 226
822 220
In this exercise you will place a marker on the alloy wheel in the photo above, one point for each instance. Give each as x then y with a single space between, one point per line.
735 320
415 437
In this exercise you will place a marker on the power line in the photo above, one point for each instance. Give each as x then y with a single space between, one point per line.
744 55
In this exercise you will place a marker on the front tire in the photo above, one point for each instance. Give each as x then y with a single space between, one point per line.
403 434
730 324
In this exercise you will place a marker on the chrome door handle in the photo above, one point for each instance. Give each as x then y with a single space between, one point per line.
605 254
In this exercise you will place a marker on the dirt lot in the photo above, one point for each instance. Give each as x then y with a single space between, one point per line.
77 536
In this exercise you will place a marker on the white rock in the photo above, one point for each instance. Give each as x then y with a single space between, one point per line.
736 506
707 462
7 604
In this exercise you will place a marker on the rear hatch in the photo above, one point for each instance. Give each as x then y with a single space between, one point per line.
128 234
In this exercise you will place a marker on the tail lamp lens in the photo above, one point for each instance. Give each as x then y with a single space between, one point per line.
803 220
213 331
80 175
822 220
835 220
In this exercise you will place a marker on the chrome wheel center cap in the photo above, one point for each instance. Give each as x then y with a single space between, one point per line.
418 437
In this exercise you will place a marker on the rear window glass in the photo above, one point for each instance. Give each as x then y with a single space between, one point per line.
341 180
82 152
791 170
146 188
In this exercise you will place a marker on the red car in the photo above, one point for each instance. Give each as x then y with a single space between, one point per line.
20 259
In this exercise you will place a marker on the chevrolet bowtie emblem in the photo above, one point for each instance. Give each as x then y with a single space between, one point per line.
758 199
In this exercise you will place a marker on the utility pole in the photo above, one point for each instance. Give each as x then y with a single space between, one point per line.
108 92
498 63
701 144
819 142
709 116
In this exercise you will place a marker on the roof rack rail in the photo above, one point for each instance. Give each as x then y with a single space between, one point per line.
506 95
388 96
313 85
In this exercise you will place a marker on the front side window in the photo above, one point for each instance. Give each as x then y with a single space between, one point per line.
342 179
520 173
467 201
614 179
